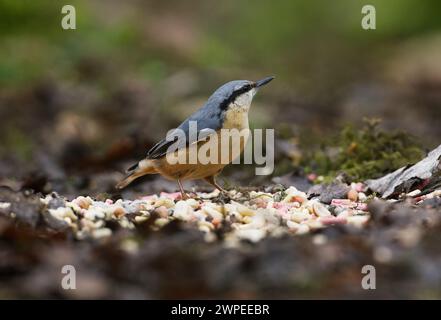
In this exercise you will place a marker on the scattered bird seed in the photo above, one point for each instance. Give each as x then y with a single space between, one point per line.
246 216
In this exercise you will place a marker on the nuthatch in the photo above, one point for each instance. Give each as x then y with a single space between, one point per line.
227 108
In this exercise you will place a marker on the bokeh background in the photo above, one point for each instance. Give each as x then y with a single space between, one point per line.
78 106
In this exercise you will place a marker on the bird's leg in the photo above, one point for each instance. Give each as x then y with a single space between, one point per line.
223 197
211 180
183 194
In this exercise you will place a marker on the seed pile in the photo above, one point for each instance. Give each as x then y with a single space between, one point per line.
250 216
141 248
238 216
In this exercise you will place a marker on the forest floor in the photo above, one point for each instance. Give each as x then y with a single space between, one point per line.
272 242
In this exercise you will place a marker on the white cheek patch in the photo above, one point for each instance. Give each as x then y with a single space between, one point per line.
244 100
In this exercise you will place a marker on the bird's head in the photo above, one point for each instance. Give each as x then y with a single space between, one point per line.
238 93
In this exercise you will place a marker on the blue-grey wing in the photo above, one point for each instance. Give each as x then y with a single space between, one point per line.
197 127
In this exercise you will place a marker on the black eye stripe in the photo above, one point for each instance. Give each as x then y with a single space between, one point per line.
244 89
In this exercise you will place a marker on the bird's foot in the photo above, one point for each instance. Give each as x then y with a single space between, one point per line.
186 196
223 197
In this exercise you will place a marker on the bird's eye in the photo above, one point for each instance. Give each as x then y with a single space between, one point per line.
242 89
245 88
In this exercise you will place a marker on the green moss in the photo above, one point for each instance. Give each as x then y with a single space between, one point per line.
363 153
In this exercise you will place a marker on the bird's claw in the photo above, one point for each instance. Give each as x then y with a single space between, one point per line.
186 196
223 197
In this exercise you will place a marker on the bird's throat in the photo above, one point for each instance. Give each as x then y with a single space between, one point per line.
236 117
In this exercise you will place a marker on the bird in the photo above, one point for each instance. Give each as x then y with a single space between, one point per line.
225 110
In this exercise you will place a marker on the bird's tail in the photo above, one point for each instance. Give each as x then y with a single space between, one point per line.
138 170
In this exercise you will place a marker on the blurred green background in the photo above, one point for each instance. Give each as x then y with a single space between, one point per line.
79 105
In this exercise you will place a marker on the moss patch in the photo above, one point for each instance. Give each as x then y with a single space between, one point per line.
364 153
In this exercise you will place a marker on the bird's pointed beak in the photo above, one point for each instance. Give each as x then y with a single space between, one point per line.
263 82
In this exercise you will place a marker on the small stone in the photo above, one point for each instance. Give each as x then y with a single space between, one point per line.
414 193
161 222
344 203
210 195
213 213
353 195
300 215
320 210
119 211
292 225
101 233
94 213
294 195
333 220
362 196
83 202
243 210
259 202
303 229
359 187
362 207
125 223
358 221
314 224
270 216
205 226
162 211
63 212
140 219
327 192
344 214
182 210
173 196
193 203
87 224
166 202
253 235
246 219
98 224
257 222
